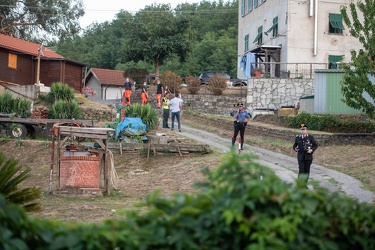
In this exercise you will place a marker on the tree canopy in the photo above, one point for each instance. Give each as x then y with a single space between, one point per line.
358 90
155 34
28 19
210 29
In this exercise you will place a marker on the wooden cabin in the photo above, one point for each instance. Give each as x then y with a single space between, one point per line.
27 63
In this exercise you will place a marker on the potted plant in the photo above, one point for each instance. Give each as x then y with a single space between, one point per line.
256 72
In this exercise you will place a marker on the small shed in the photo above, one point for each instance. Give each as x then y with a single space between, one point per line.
327 93
108 84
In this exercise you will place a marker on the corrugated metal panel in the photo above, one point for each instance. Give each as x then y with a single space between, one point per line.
334 97
320 92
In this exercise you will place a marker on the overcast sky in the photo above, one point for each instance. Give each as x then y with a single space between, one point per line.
105 10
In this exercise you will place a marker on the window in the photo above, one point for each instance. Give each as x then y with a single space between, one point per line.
246 43
255 3
333 60
249 5
12 61
274 28
335 24
258 39
242 7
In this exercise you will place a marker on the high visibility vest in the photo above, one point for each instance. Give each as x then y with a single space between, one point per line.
165 101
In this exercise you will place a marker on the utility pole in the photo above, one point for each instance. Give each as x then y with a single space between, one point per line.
38 66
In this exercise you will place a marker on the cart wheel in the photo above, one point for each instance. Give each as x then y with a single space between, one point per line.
18 131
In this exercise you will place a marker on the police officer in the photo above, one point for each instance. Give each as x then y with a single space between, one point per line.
305 145
241 117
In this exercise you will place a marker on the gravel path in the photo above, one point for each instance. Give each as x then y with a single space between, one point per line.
287 168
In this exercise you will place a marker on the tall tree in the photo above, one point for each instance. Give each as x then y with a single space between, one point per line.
156 34
356 85
26 19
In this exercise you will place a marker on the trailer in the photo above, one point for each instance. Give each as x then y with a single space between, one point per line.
22 127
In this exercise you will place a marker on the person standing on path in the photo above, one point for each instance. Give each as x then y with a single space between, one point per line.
128 91
144 94
165 110
176 106
159 92
241 117
304 145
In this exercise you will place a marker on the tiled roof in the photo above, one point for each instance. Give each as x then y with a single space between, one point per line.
109 76
29 48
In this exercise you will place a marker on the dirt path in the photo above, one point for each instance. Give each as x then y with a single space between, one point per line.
286 167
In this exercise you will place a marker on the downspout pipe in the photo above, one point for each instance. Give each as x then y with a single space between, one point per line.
316 28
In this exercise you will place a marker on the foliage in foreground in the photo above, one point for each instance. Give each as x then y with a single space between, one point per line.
11 175
147 113
236 209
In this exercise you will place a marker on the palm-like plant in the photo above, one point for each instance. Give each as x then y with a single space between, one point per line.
147 113
12 174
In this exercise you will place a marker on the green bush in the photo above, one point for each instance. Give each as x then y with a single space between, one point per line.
235 209
147 113
62 109
217 84
331 123
19 106
172 80
59 91
194 84
6 103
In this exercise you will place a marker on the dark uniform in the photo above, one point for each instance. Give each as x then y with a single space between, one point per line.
305 145
241 118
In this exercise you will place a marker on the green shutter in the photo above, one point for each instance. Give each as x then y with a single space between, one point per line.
275 23
336 21
339 22
250 5
246 43
242 7
332 21
260 30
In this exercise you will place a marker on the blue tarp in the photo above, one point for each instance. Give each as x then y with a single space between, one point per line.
132 125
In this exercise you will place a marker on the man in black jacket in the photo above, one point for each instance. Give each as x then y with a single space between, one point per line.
305 145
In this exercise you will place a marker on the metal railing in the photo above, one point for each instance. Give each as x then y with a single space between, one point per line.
286 70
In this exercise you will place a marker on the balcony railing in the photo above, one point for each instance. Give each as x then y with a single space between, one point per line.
286 70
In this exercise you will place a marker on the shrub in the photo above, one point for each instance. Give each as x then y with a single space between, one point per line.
6 103
59 91
194 84
217 84
147 113
19 106
331 123
172 80
62 109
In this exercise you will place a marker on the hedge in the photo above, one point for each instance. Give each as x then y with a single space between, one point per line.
241 205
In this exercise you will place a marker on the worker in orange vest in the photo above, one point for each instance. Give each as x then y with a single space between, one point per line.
144 94
159 92
128 91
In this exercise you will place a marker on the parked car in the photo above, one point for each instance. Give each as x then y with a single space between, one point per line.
232 81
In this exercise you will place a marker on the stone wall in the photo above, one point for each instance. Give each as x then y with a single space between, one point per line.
272 93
